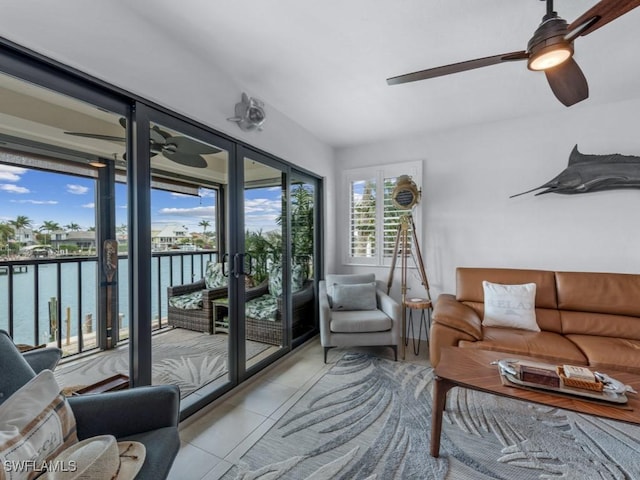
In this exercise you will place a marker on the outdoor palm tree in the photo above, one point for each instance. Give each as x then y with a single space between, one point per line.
20 223
49 226
204 224
73 227
6 233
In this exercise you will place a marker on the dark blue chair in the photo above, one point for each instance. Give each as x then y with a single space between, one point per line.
146 414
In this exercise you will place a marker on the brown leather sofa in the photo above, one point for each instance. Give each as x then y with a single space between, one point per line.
590 319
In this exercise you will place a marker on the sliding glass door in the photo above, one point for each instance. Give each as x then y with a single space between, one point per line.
189 174
144 244
264 219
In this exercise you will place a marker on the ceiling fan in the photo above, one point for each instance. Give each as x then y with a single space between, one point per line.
550 50
182 150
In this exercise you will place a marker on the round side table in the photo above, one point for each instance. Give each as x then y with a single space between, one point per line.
424 305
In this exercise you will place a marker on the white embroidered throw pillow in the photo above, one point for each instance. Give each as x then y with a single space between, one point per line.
511 306
36 424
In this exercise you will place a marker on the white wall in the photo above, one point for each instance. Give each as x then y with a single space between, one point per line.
469 174
130 52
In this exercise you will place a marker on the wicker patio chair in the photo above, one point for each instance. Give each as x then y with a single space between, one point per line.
200 319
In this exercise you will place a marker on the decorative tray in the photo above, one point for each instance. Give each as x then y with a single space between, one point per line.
606 396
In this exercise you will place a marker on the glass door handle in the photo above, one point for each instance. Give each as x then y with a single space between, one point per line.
225 261
239 262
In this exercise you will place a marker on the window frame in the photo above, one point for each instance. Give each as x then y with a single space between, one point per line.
377 173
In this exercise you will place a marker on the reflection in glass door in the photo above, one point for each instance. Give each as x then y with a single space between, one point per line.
190 284
303 272
266 315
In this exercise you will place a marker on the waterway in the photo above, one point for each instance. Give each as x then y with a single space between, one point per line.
81 277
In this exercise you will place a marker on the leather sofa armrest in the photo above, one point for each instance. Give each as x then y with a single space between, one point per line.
126 412
454 314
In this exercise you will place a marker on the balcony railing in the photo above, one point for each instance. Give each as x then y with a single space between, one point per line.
54 300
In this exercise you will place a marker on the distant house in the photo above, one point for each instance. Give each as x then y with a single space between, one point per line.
80 239
168 237
25 236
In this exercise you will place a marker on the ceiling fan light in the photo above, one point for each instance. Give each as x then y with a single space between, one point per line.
550 56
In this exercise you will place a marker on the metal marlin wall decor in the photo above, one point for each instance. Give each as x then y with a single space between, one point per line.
592 173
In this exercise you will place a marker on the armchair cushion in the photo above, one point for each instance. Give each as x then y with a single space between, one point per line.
36 423
357 296
275 279
262 308
188 301
360 321
213 277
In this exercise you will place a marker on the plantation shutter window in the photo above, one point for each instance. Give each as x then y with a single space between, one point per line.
362 225
372 219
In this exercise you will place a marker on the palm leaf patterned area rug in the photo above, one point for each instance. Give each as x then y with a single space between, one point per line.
180 357
370 418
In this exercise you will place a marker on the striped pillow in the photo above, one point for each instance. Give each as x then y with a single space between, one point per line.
36 424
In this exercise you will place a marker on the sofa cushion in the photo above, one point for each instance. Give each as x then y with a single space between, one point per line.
609 353
188 301
36 424
510 306
264 307
360 321
346 279
614 293
600 324
213 277
358 296
469 283
546 345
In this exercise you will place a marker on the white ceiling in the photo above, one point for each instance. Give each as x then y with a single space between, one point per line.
324 64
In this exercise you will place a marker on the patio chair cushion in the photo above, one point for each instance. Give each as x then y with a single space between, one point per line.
275 279
36 423
213 277
188 301
264 307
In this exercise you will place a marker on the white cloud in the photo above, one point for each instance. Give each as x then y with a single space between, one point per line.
89 205
76 189
207 193
189 212
37 202
10 173
10 188
264 205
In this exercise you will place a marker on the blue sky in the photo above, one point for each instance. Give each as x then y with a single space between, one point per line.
67 199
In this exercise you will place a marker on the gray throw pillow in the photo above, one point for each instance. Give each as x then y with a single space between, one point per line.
356 296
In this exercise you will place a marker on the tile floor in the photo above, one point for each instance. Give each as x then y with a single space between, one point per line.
215 438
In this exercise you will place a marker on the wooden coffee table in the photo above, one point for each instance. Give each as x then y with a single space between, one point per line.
471 368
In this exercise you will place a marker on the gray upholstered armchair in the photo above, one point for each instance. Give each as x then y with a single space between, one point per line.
146 414
356 311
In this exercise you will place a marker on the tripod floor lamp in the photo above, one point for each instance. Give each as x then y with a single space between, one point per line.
405 196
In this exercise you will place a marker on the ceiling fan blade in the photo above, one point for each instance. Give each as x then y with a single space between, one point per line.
97 136
599 15
457 67
568 83
191 147
188 160
156 137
